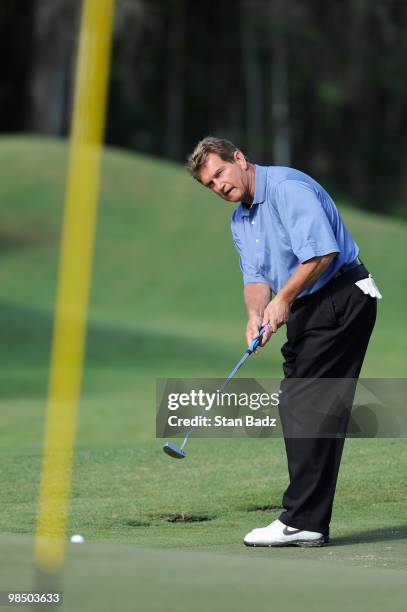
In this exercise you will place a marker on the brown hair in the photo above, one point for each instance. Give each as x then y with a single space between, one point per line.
211 144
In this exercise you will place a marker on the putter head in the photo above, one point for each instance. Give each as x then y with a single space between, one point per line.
174 451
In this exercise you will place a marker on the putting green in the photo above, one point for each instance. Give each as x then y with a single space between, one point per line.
104 577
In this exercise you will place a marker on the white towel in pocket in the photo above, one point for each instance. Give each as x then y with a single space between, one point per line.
369 287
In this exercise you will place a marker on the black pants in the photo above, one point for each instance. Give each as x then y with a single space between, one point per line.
327 337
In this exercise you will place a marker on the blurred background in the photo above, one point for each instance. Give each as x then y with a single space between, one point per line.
318 86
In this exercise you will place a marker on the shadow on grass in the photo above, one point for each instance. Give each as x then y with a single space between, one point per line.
397 532
25 343
17 239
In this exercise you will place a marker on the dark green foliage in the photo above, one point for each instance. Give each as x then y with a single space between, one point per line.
184 69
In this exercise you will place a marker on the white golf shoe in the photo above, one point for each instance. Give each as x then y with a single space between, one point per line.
278 534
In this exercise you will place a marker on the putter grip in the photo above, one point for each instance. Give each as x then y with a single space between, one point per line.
256 341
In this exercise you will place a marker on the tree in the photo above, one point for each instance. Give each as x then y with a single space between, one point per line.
253 80
56 24
175 80
280 105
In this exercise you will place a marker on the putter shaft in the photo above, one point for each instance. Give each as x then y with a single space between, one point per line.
178 452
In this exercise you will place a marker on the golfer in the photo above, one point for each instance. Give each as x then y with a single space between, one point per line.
301 268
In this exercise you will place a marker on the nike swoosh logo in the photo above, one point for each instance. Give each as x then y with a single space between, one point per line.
290 531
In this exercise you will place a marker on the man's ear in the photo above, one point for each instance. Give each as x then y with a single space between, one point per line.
240 158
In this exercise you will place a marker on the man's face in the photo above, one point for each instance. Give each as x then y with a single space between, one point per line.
229 180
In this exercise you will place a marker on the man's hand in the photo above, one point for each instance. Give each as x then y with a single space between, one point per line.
256 297
252 328
275 314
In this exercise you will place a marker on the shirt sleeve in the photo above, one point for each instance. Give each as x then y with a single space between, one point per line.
249 271
305 220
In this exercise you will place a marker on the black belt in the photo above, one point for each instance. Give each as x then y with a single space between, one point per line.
346 267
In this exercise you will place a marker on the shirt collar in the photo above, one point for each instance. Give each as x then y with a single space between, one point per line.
260 182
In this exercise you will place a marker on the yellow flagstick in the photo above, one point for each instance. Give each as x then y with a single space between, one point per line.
74 280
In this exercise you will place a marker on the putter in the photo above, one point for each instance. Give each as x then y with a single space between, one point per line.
178 452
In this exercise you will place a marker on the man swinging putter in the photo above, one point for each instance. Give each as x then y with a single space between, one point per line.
292 243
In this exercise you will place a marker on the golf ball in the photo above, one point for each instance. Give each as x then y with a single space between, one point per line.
77 539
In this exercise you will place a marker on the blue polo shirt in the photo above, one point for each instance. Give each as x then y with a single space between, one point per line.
292 219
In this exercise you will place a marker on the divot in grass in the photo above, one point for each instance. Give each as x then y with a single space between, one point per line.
270 508
185 518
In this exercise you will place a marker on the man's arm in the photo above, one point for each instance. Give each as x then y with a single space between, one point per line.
277 310
256 298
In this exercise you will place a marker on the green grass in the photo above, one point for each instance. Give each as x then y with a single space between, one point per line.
166 301
159 580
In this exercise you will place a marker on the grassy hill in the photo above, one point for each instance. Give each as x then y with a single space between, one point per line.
166 301
165 265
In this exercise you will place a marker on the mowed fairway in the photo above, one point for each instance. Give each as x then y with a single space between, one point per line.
166 301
